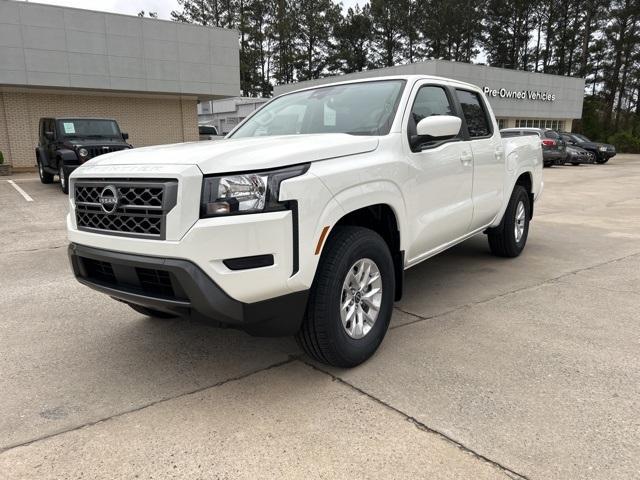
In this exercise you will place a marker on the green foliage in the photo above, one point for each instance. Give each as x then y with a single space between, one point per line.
625 142
1 158
352 41
283 41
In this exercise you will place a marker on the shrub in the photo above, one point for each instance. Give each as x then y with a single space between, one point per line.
625 142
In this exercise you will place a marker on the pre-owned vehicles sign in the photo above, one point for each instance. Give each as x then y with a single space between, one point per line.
519 94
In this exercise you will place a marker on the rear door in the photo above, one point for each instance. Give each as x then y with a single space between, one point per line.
441 172
488 157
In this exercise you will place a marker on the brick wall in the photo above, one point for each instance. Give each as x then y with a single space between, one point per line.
147 120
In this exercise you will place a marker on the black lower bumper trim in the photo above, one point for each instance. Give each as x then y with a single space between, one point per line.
181 287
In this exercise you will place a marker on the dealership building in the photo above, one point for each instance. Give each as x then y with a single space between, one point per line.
147 74
518 98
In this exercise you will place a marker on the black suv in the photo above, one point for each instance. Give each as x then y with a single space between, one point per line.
66 143
602 151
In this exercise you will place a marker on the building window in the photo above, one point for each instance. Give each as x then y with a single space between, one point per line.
502 123
540 123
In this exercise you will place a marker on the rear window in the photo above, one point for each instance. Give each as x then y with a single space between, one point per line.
474 113
518 133
551 134
510 133
205 130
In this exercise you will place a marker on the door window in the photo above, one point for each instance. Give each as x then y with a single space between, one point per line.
430 100
475 114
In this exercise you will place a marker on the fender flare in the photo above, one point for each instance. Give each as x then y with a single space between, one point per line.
497 222
41 154
378 192
68 157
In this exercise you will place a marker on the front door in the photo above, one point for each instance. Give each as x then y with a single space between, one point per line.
441 176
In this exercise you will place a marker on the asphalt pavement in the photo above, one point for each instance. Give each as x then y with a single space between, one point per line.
493 368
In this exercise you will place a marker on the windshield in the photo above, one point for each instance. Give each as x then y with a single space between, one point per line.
85 127
581 137
365 108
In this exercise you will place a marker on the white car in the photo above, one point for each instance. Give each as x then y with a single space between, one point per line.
303 220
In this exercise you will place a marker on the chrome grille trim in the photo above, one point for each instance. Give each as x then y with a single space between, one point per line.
141 212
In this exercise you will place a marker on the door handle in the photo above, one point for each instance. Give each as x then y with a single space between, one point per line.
466 158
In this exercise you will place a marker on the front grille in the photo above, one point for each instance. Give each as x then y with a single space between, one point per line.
97 151
141 208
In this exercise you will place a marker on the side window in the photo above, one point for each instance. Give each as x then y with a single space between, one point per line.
430 100
475 114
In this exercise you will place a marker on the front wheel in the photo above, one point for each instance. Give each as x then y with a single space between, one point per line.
509 239
351 300
64 181
600 160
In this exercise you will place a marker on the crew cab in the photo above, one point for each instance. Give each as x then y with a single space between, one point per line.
66 143
304 218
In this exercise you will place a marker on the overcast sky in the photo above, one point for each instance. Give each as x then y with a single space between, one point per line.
132 7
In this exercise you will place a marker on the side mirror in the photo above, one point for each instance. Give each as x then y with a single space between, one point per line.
439 126
49 135
125 136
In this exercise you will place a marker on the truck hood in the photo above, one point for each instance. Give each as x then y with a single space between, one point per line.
244 154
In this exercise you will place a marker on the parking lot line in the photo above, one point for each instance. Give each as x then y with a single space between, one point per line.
24 194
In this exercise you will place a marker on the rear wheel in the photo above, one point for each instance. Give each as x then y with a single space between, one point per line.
150 312
45 177
509 239
351 300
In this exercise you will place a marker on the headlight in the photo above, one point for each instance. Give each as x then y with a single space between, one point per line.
83 152
603 149
241 193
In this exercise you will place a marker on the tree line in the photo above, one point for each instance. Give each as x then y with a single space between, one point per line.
283 41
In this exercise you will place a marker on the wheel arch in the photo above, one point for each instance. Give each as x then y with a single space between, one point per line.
382 219
526 180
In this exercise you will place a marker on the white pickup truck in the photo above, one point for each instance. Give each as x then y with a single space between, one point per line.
302 221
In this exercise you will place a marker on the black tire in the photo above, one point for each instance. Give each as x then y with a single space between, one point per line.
149 312
502 240
322 335
64 178
45 177
575 164
601 160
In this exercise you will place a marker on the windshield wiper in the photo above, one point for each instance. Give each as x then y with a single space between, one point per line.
361 132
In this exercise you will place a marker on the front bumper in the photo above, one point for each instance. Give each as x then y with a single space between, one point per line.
181 287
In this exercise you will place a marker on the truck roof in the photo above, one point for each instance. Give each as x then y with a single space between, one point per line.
82 118
391 77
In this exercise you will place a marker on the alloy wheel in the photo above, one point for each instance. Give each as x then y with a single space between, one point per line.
361 298
520 221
